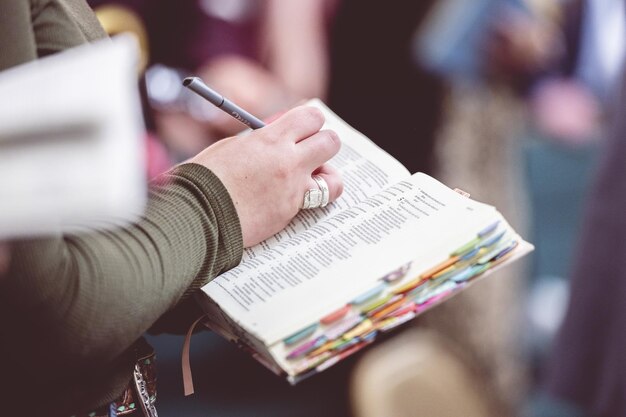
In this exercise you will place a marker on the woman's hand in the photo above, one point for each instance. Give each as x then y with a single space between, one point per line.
268 170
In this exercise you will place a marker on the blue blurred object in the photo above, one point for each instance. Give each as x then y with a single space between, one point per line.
559 178
545 406
450 43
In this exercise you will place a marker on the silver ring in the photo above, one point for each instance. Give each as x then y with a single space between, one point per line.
323 186
312 199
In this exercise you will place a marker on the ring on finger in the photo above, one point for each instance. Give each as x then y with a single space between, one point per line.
323 186
312 199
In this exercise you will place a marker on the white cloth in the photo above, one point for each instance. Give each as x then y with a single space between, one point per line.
603 45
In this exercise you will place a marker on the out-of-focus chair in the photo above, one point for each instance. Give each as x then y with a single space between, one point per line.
415 374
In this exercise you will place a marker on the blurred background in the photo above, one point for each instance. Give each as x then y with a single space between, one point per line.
508 100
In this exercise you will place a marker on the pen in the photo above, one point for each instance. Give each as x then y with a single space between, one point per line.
198 86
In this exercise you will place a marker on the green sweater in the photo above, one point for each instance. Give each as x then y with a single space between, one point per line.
72 307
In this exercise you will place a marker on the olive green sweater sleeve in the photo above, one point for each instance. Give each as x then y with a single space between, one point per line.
96 293
87 298
31 29
16 34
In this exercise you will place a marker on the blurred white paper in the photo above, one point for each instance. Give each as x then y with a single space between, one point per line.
71 141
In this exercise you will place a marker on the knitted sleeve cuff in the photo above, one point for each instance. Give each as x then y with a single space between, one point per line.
218 198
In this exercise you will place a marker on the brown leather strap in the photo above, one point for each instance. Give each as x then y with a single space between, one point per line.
186 366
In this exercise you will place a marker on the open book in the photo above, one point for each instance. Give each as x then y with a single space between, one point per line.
392 246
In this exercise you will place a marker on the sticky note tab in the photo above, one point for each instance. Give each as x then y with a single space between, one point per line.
336 315
492 240
437 268
362 328
499 250
343 326
394 322
462 275
489 229
506 251
469 255
300 335
324 348
376 303
307 347
467 247
369 337
369 294
411 307
444 272
392 305
346 343
479 269
409 285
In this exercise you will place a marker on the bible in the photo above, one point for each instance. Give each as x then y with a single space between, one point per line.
391 247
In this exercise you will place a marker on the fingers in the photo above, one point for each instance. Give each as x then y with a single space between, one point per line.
333 180
297 124
273 117
316 150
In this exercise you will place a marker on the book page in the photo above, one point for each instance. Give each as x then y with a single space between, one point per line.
302 278
366 169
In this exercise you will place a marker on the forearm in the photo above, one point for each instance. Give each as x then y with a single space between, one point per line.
297 45
95 294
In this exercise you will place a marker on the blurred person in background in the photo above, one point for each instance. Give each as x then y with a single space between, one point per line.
74 307
584 374
570 101
587 367
476 149
564 63
376 85
570 106
265 55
